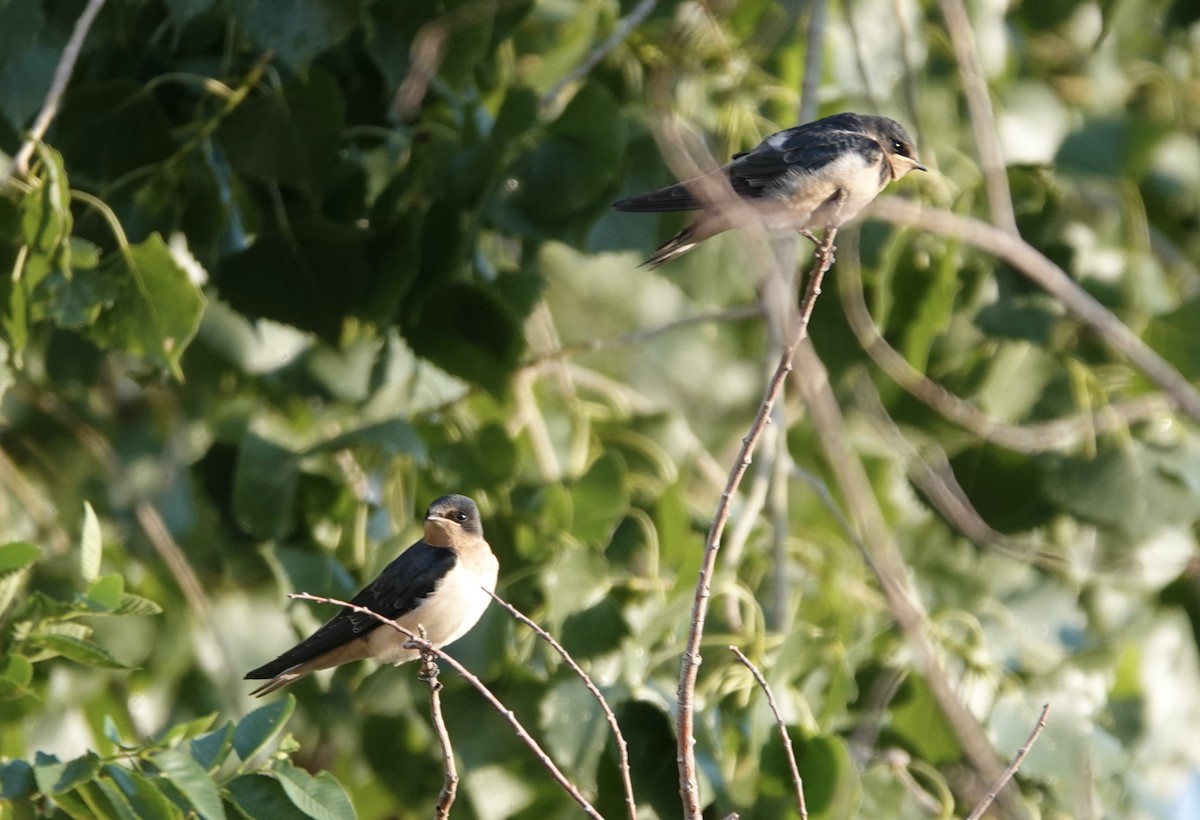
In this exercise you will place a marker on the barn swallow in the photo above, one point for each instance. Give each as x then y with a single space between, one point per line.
437 583
817 175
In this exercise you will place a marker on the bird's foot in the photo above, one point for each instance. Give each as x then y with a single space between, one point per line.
809 235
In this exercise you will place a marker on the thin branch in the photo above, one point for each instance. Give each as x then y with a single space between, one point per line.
690 665
1038 437
632 20
1052 279
640 335
429 673
814 58
425 646
58 86
886 562
1012 767
783 734
983 120
622 746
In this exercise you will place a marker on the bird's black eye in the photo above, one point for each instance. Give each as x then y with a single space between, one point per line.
900 148
461 517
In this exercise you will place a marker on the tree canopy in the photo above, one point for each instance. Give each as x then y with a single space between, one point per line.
277 275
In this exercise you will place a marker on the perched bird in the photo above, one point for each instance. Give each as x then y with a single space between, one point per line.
816 175
437 583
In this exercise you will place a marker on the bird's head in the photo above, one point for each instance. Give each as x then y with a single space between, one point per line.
897 145
450 519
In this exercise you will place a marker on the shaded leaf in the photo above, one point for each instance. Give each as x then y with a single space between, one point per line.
55 777
261 797
255 729
264 486
193 782
320 797
143 794
211 749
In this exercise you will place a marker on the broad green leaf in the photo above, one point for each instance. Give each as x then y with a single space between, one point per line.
261 797
110 127
1176 337
574 728
600 500
255 729
137 605
320 797
143 794
832 789
16 673
16 780
192 781
184 731
121 804
211 749
264 486
297 29
90 546
18 555
394 436
55 777
81 651
918 723
105 593
158 309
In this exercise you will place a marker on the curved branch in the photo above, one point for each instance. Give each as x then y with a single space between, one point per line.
1052 279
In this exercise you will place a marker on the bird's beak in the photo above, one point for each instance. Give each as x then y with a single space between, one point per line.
919 166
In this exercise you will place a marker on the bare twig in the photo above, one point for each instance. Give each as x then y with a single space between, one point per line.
814 58
58 86
787 741
429 673
1055 281
688 786
425 646
640 12
978 811
983 120
622 746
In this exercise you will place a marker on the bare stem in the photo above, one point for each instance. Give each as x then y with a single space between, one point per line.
622 746
425 646
640 12
429 673
58 87
787 741
690 665
978 811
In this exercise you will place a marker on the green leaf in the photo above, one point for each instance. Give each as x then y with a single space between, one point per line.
1176 337
184 731
831 784
192 781
320 797
143 794
298 30
211 749
255 729
137 605
17 555
81 651
264 486
121 804
90 545
261 797
600 499
16 673
394 436
55 777
16 780
311 277
105 593
574 728
917 721
468 331
158 309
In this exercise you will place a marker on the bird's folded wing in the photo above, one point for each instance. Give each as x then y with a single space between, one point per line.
793 153
401 586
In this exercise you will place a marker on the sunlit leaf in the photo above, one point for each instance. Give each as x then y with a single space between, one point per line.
255 729
90 546
192 781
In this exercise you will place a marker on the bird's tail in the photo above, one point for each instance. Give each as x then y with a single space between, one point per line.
676 246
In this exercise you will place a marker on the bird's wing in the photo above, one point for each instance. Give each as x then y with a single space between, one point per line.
780 157
401 586
783 157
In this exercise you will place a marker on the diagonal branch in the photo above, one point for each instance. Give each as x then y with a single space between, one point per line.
58 87
978 811
690 666
425 646
622 746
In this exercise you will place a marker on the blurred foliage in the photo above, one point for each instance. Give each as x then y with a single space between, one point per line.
283 273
